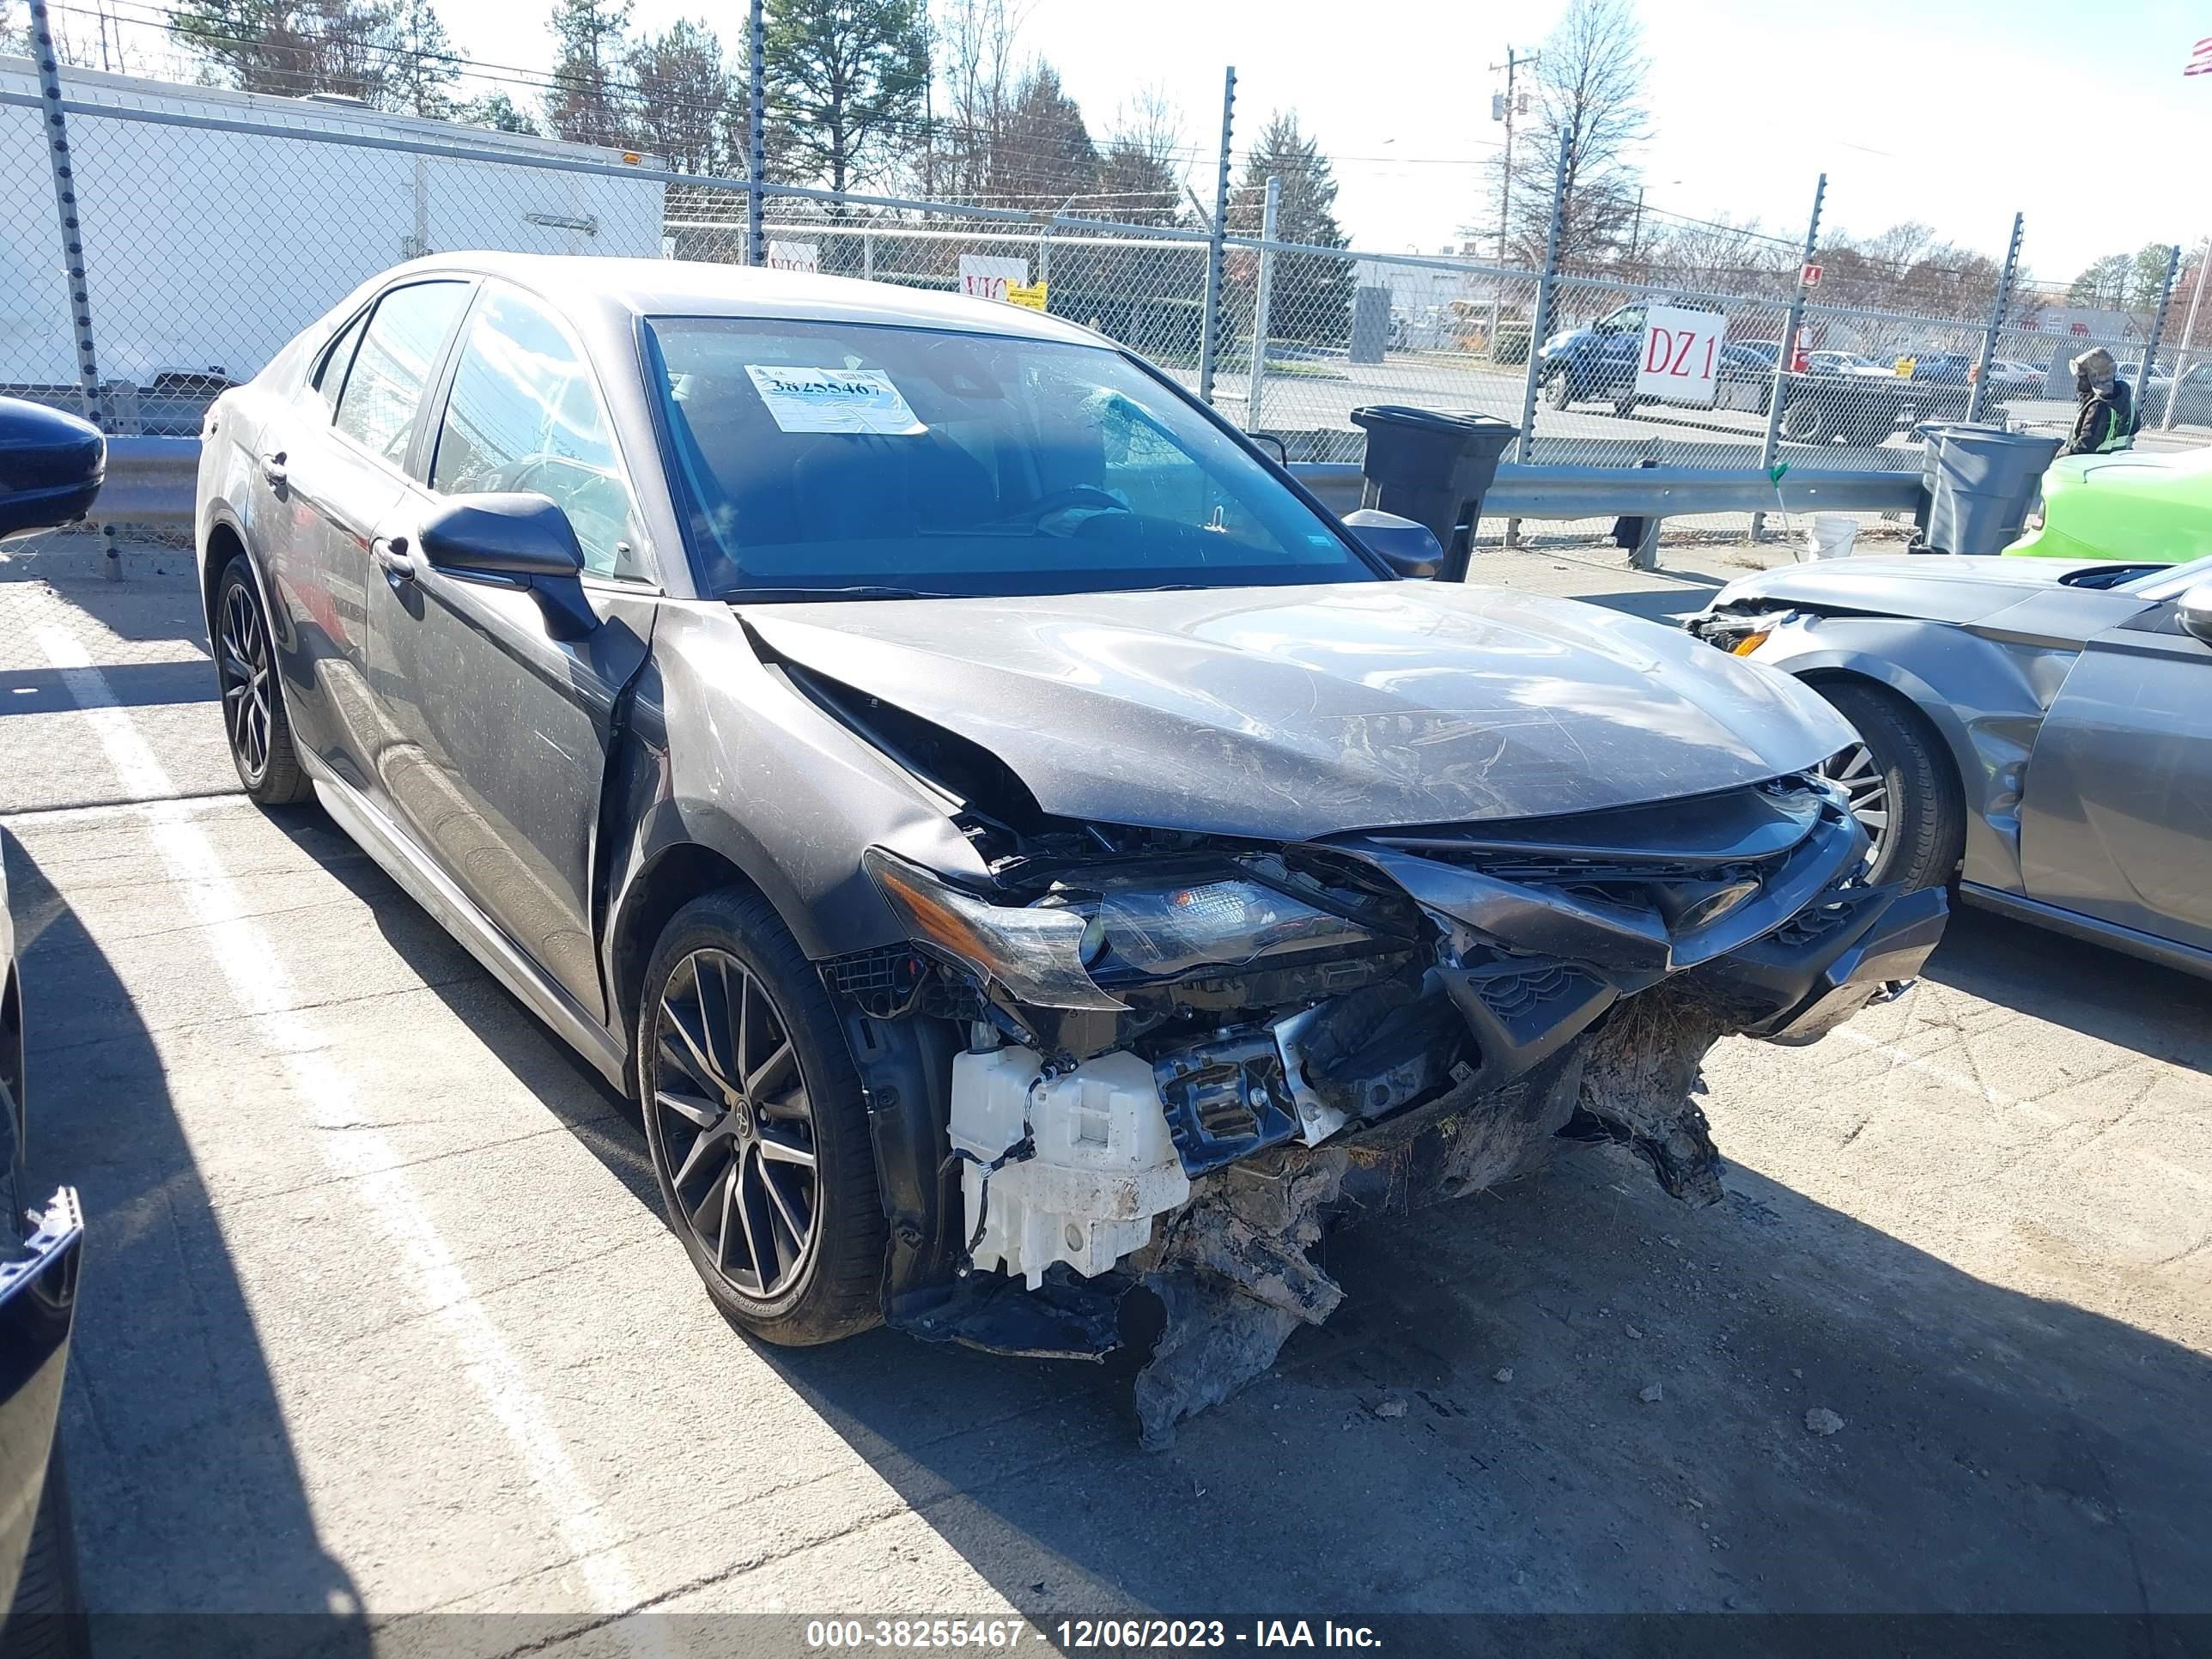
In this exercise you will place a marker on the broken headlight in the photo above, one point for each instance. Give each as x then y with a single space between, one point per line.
1152 929
1035 951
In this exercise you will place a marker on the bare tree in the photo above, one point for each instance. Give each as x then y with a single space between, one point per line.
1141 171
976 48
1589 86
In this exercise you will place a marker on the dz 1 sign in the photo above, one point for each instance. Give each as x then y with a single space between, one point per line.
1681 354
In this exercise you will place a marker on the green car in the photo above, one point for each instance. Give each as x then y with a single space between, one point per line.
2133 505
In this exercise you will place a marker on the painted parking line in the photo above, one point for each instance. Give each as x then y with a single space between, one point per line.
363 1158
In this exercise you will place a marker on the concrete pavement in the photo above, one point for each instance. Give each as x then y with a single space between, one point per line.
380 1322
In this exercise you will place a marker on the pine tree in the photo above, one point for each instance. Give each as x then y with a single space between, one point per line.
847 83
588 103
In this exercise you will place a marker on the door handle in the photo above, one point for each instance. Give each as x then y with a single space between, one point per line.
272 467
392 557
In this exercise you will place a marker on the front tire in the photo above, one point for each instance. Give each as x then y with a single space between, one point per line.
756 1127
1559 391
254 720
47 1619
1903 785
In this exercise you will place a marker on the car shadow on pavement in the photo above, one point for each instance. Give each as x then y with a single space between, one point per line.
2101 993
192 1519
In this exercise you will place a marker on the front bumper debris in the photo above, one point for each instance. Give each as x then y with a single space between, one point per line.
1558 990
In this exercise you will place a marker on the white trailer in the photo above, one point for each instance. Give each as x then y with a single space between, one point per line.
217 224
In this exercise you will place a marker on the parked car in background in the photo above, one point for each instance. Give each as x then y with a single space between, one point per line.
2139 506
2038 729
2191 397
2011 373
51 466
973 799
1863 401
1599 365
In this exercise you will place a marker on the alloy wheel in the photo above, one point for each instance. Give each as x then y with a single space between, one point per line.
733 1124
1867 790
243 664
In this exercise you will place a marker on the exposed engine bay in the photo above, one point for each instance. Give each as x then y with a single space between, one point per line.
1118 1098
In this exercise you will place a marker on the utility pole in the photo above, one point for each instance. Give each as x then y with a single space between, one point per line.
1514 62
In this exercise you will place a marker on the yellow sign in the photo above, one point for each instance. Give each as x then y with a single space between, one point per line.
1032 294
1906 366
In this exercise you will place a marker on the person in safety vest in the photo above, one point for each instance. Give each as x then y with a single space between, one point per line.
2107 419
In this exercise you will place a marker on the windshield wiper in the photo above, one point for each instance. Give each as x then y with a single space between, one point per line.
864 591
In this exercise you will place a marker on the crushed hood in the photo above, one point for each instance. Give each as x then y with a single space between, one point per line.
1290 713
1931 587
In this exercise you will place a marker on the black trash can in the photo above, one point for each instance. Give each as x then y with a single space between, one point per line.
1434 467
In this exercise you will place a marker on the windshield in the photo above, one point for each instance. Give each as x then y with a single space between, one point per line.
815 456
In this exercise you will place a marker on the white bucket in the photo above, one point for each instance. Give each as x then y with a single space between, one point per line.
1831 535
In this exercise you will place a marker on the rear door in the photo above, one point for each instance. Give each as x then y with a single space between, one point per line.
2117 811
344 483
498 734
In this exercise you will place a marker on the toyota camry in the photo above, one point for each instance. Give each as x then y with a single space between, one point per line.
1033 867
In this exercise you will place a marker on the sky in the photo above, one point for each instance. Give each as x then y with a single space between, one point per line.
1953 112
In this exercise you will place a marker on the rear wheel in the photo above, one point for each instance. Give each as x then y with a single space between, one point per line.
1800 421
754 1118
253 717
1903 787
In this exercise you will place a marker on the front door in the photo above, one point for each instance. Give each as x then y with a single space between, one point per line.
2117 804
499 733
343 474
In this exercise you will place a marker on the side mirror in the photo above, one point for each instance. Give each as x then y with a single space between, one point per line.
2194 610
1409 548
51 466
520 540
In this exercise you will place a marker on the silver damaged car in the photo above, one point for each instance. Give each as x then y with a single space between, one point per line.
2036 731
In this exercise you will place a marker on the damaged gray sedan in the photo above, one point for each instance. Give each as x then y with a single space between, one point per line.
1035 869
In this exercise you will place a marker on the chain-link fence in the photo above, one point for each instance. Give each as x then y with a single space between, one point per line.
216 225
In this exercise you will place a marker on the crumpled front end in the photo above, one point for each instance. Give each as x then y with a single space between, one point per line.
1120 1097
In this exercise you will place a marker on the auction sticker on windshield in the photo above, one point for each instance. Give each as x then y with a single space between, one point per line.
834 400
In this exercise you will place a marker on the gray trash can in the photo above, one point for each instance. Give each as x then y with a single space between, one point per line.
1981 482
1427 465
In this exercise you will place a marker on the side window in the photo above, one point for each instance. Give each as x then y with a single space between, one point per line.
330 371
393 366
524 415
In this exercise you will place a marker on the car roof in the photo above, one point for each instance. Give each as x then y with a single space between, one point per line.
649 287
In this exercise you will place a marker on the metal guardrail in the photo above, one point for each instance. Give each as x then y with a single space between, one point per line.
151 481
1552 491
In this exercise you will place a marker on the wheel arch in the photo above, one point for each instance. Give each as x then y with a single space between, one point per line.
223 541
1985 767
663 885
